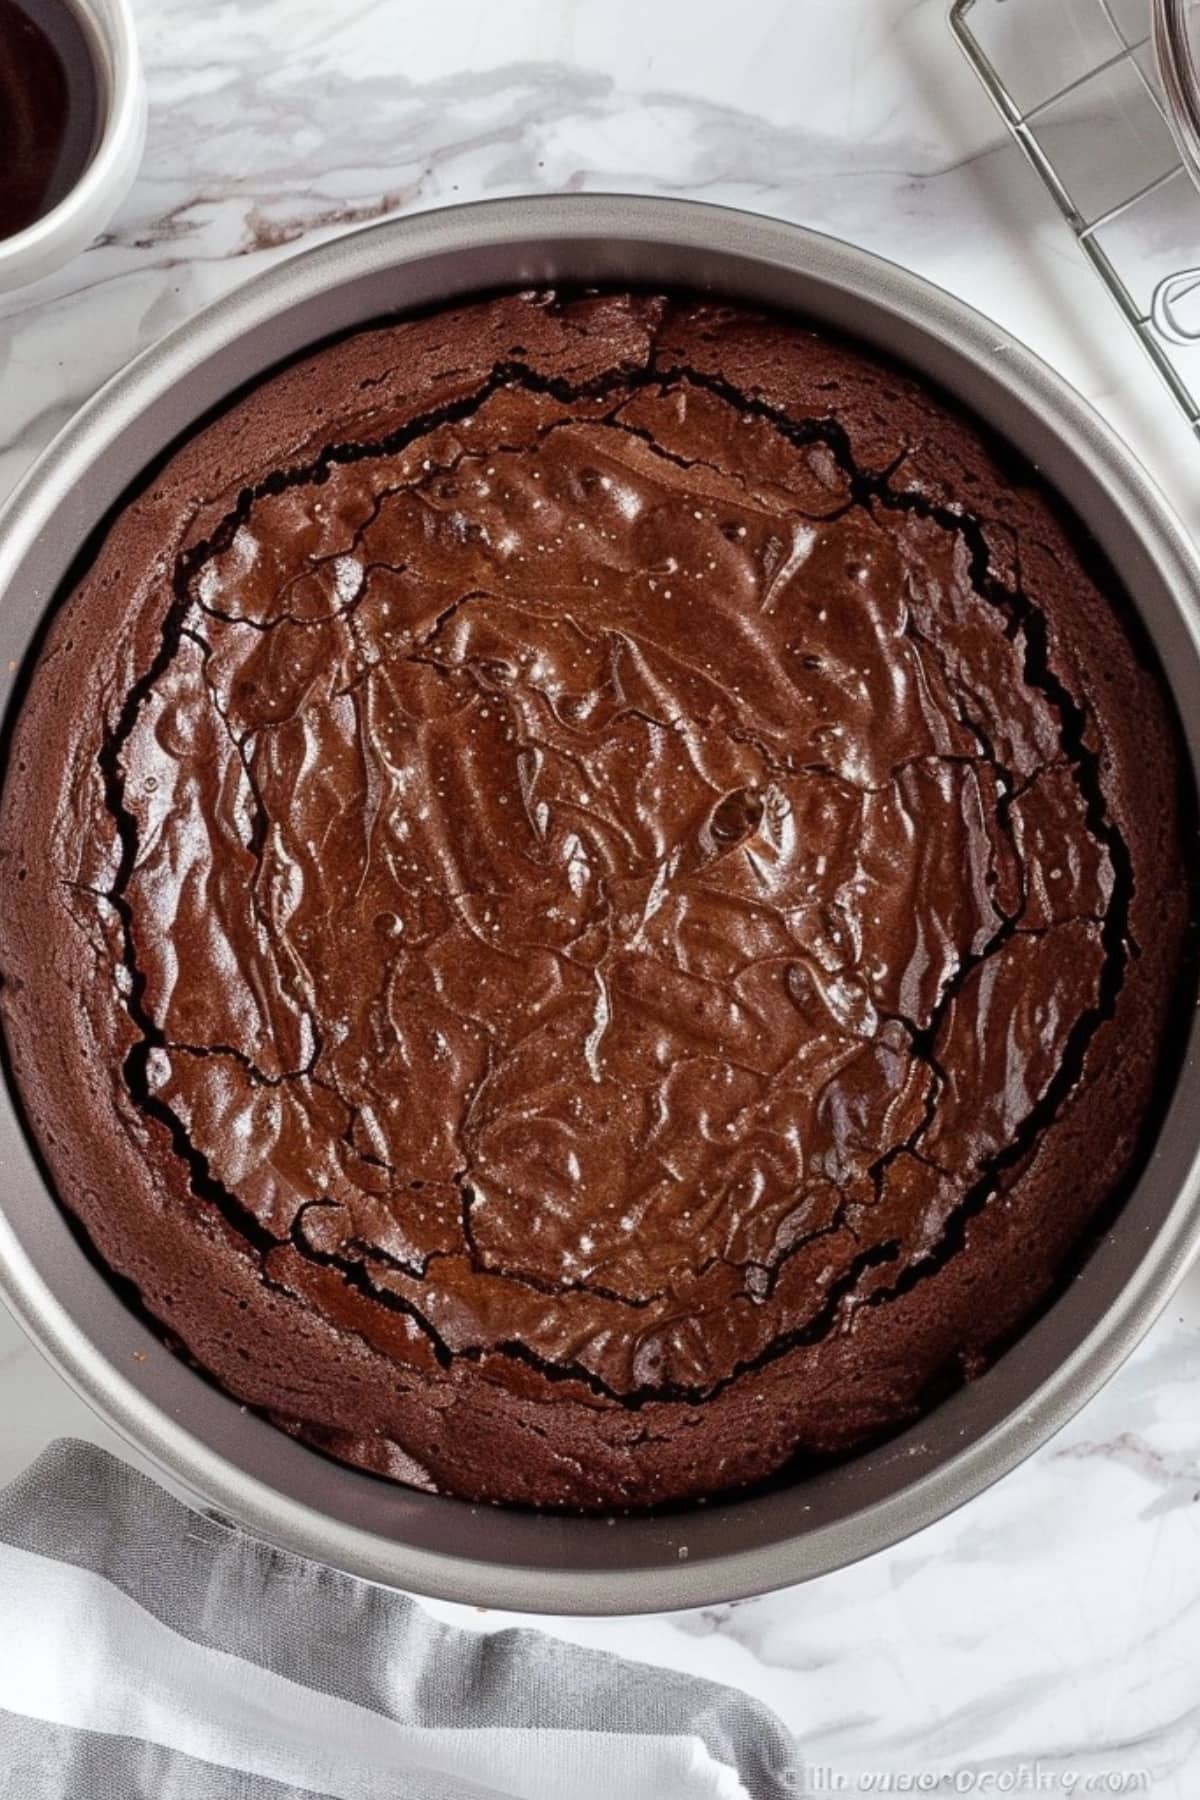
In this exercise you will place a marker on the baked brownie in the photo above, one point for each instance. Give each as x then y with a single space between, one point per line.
593 888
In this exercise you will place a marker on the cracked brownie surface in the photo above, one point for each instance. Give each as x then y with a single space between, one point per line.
595 889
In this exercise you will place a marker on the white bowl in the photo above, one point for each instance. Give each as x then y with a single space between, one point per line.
82 214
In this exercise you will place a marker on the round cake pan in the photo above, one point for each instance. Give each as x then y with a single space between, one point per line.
503 1557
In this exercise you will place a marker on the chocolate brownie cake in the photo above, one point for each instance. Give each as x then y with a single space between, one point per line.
592 890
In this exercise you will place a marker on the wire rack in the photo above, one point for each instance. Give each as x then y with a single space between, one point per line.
1076 82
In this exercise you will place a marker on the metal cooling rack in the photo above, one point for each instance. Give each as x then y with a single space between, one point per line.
1077 84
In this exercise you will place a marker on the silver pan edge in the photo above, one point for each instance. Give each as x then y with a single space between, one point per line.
500 1557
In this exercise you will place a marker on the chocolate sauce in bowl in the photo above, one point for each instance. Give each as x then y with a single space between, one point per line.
50 108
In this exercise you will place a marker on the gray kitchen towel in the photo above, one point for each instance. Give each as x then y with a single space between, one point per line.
149 1652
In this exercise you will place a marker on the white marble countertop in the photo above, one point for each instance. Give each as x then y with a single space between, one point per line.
1049 1632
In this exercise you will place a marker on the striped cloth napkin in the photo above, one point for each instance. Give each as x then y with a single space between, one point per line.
149 1650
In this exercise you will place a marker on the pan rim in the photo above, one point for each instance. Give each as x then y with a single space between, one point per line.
563 1564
